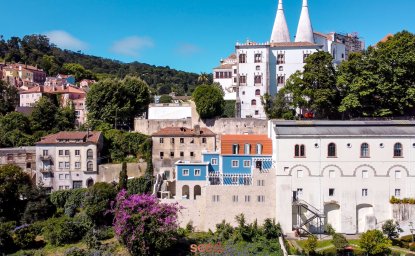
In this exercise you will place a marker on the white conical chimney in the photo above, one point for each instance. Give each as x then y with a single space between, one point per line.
280 32
305 29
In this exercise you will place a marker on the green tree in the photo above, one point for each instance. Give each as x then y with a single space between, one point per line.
310 245
97 202
43 115
229 109
373 242
166 99
123 179
391 229
278 106
65 118
78 71
315 88
209 101
339 241
329 229
141 185
14 186
8 98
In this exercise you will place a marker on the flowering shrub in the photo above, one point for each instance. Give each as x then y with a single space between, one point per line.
143 224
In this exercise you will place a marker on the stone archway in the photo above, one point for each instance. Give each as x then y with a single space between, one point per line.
332 212
197 191
365 218
89 182
185 192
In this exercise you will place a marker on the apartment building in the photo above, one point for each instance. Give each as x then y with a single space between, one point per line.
69 159
24 157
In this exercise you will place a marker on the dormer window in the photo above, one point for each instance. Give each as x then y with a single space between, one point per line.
235 149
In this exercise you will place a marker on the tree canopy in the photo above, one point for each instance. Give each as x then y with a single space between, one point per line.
373 242
209 101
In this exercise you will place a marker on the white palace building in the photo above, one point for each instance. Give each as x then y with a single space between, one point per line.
258 68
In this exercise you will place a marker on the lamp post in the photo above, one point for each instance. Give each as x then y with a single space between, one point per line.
411 224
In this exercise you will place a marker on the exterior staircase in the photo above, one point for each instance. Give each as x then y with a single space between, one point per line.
311 213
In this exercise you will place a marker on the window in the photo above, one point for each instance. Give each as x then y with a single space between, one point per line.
61 165
67 176
332 174
242 79
261 199
243 92
257 79
77 184
161 140
61 176
364 150
398 175
77 165
281 80
214 161
397 192
300 174
61 152
247 199
192 141
258 149
197 172
258 68
331 191
247 149
192 154
258 58
66 187
185 172
261 183
256 112
234 71
161 155
203 140
253 102
60 187
397 150
364 192
171 154
242 58
331 150
280 58
235 163
89 154
181 140
215 198
305 56
235 199
258 92
299 151
90 167
247 163
45 152
28 165
67 165
281 68
77 152
181 153
299 191
235 149
66 152
365 174
172 140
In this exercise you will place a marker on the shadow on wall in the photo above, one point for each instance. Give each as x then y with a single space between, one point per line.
111 172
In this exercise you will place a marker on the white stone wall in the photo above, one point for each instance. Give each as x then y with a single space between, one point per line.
29 99
352 212
171 111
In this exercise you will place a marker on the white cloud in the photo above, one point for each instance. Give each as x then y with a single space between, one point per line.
130 46
65 40
188 49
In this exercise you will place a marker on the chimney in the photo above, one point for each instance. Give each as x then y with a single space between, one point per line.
197 129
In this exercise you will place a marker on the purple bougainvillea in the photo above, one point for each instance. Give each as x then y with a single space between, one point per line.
143 224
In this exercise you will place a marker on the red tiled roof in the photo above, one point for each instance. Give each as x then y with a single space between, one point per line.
225 66
227 141
386 38
51 89
58 137
183 132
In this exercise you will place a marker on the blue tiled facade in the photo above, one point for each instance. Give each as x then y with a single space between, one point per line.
189 168
214 161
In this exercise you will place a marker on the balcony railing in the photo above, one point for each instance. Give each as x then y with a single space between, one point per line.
45 157
216 178
46 170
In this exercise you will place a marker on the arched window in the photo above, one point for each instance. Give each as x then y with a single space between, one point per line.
364 150
197 191
257 92
253 102
299 151
90 166
89 182
89 154
185 192
331 150
258 149
302 150
397 150
242 58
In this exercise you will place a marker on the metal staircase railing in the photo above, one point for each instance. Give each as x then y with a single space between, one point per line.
315 214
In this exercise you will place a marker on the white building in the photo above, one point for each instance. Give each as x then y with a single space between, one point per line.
343 173
68 160
262 68
168 111
224 75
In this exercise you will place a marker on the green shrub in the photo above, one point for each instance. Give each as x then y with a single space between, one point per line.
105 233
24 236
58 198
63 230
6 240
73 251
412 247
406 239
74 201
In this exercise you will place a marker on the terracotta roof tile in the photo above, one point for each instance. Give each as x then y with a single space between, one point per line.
183 132
72 137
51 89
227 142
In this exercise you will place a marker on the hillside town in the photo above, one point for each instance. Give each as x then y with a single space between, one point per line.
289 147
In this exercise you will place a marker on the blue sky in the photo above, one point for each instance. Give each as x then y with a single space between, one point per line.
190 35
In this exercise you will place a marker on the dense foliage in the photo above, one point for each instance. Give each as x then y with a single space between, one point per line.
373 242
391 229
37 50
143 224
8 98
376 83
117 102
209 101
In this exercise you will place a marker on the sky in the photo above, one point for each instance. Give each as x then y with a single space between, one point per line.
190 35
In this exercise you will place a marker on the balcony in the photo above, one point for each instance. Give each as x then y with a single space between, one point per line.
46 170
45 157
90 171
